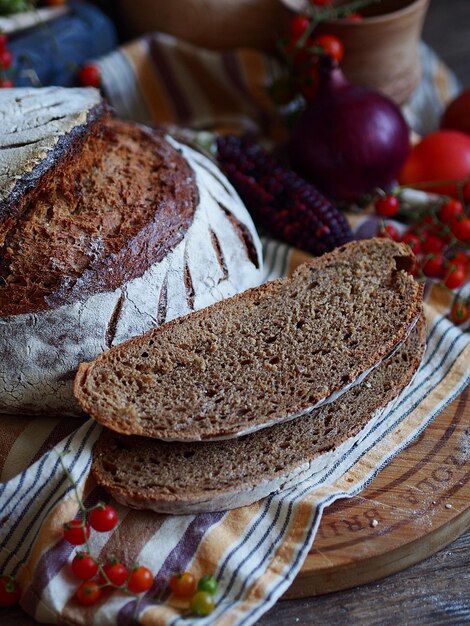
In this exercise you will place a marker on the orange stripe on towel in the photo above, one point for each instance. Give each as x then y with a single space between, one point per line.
150 85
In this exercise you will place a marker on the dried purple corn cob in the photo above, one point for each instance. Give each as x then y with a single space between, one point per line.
288 206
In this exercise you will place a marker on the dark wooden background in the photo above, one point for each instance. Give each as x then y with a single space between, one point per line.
437 591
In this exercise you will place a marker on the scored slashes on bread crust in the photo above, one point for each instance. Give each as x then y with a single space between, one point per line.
107 229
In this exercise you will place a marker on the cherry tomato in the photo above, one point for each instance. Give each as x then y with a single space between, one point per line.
183 584
89 593
457 114
116 572
202 603
440 156
3 40
321 3
331 45
141 579
84 566
389 231
434 265
412 241
6 58
76 532
90 76
207 584
456 277
386 206
104 518
460 258
433 244
297 26
449 210
460 227
460 312
309 86
5 83
354 17
10 591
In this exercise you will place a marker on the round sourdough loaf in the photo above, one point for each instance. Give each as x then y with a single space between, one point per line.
107 229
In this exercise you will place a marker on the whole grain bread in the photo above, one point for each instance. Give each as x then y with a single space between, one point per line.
100 217
264 356
182 478
107 229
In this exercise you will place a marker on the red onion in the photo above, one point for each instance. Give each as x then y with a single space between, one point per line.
350 139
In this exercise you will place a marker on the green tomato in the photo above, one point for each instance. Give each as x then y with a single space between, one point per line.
202 603
208 584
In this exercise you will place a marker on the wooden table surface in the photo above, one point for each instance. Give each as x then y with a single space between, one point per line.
436 591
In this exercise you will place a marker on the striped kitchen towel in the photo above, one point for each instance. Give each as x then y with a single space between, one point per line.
160 79
256 551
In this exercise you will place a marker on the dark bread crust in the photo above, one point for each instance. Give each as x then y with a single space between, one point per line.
12 206
222 372
198 477
116 200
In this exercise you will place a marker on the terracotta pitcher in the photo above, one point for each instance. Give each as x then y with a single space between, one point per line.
381 50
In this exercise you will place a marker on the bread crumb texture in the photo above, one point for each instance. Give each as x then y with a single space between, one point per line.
270 353
201 476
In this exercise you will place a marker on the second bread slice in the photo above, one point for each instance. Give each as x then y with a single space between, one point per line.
265 356
182 478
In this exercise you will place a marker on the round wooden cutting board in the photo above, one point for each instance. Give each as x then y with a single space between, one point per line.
417 505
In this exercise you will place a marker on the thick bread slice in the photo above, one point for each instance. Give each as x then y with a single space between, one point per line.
267 355
183 478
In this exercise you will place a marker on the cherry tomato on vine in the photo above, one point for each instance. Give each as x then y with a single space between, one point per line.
441 156
84 566
89 593
434 266
309 85
76 532
452 208
140 579
183 584
460 258
412 241
331 45
433 244
116 572
202 603
10 591
104 518
460 312
90 76
460 227
456 277
389 231
354 17
297 26
387 206
208 584
6 58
